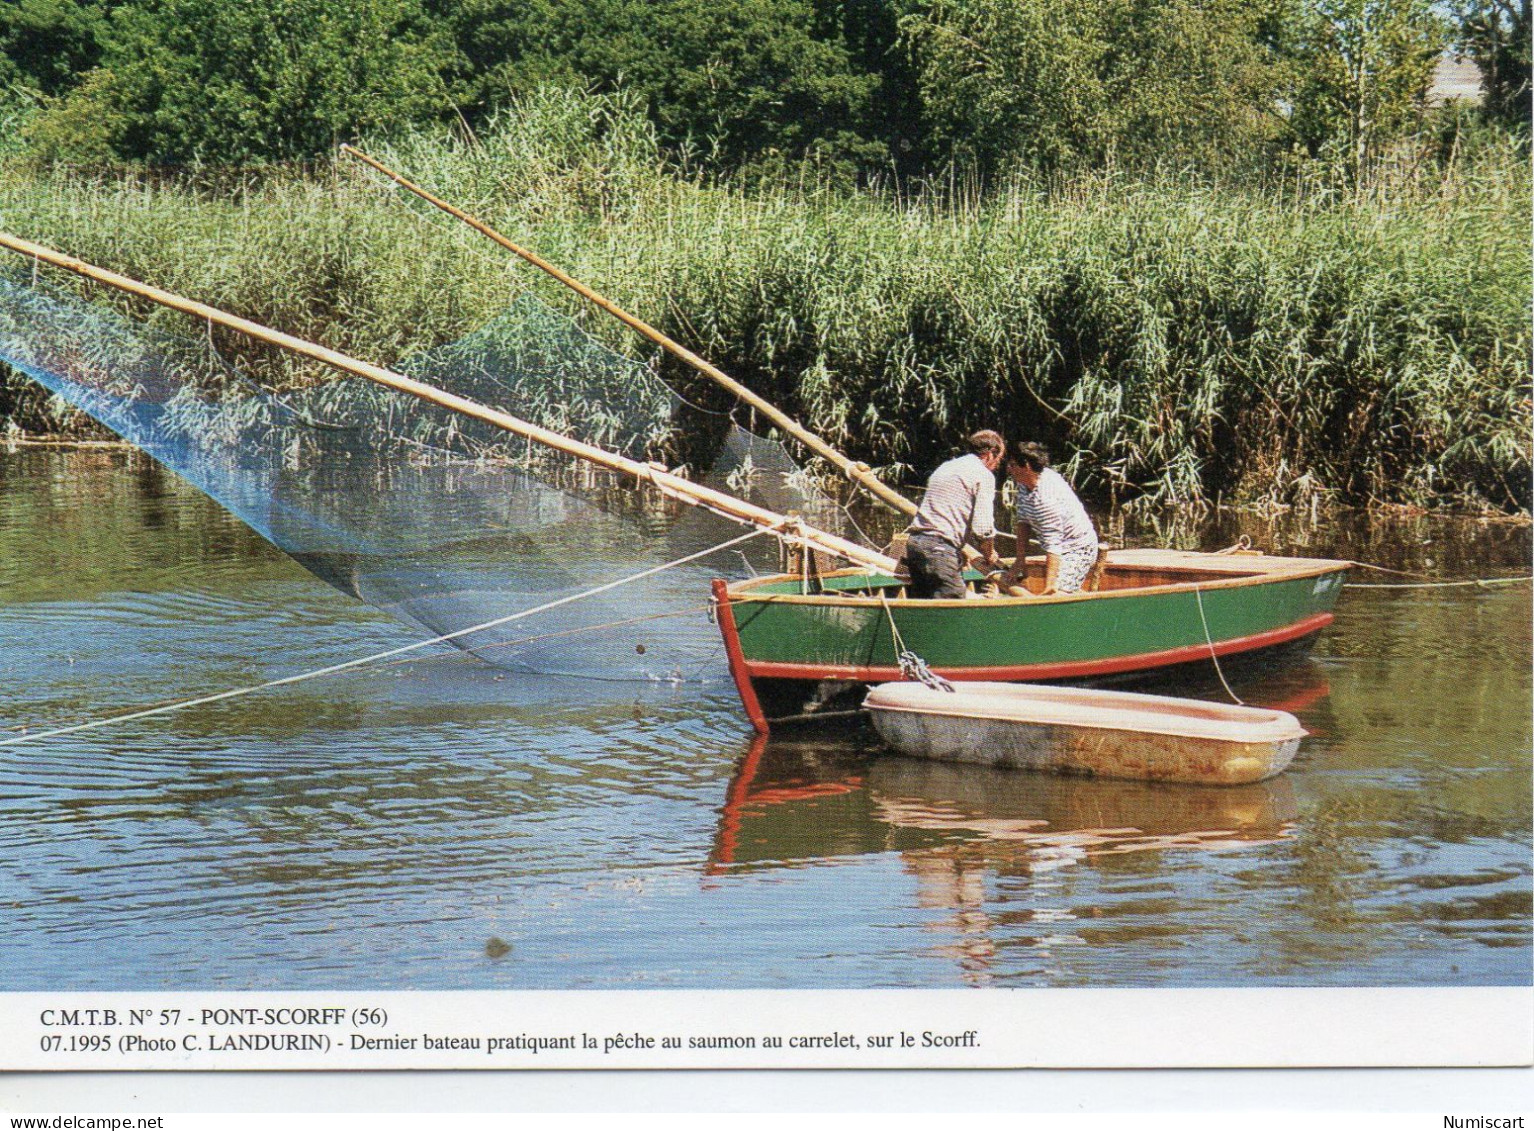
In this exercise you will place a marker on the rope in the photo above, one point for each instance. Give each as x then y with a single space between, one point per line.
1387 569
1480 582
349 664
1208 639
623 623
912 666
889 614
1245 543
1427 579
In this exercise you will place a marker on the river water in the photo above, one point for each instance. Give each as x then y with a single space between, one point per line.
438 824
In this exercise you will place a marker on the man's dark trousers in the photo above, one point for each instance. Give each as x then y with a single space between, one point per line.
934 566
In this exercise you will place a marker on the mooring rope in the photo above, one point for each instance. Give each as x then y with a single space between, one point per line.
912 666
332 669
1427 582
1213 655
566 632
894 632
1397 572
1482 582
1244 543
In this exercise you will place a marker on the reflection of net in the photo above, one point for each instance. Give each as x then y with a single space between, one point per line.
439 519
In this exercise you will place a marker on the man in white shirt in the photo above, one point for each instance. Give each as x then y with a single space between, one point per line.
960 504
1048 507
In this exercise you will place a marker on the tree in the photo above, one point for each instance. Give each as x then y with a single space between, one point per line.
734 80
46 44
870 32
1052 86
1009 80
1496 34
185 80
1364 69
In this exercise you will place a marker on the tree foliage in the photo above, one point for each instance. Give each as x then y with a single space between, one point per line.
1496 34
1365 67
734 81
45 45
183 80
858 85
1049 85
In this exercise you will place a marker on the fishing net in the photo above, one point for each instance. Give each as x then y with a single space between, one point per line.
443 521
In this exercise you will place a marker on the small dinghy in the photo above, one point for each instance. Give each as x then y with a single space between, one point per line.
1068 730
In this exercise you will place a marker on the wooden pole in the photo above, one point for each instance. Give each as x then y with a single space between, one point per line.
665 481
858 472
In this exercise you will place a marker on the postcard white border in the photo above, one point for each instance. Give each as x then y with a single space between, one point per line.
814 1029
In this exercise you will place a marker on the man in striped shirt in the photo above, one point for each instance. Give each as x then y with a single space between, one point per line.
960 504
1048 507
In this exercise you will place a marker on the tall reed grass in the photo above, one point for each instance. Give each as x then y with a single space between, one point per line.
1170 341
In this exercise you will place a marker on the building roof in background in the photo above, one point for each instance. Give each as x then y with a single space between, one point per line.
1455 78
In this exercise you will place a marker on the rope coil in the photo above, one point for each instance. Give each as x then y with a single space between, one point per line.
912 666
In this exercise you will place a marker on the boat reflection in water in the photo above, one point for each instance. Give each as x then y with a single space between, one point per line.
996 856
807 799
1017 828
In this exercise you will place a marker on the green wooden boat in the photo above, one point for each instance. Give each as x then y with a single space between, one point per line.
799 645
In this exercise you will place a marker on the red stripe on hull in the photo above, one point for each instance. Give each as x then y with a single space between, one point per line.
739 670
1070 669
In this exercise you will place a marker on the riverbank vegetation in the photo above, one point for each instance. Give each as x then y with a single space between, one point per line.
1197 300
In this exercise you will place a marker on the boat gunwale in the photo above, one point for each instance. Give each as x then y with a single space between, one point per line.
741 591
1106 722
1168 706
